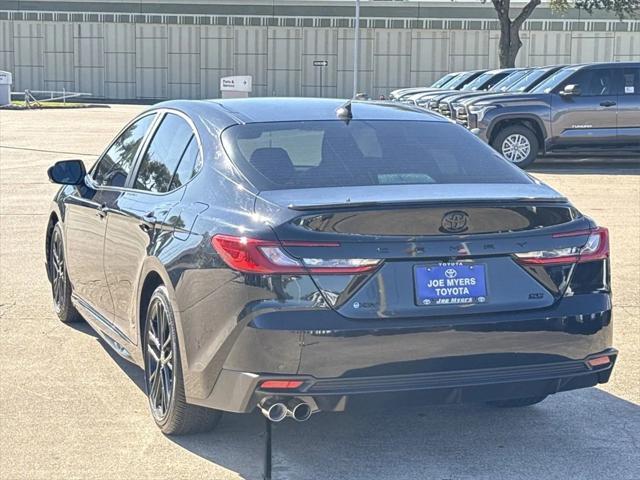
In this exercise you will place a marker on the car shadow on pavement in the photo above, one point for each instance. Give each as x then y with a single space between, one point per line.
586 434
583 434
134 372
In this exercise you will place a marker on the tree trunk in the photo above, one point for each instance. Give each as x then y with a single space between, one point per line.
510 30
510 43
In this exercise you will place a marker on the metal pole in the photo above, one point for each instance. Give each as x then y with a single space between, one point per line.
266 475
356 50
321 81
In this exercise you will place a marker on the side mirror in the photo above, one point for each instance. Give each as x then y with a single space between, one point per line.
67 172
572 90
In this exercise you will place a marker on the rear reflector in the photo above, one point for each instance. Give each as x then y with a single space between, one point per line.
250 255
281 384
596 248
598 361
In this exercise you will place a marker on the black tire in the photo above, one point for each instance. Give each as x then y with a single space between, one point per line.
518 144
60 285
516 402
173 415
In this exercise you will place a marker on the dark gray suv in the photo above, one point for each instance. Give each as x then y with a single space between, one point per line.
580 109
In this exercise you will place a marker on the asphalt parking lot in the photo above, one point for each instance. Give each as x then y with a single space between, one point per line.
70 408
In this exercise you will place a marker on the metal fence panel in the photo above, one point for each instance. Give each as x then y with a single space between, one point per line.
549 48
627 47
592 47
120 67
164 56
119 38
392 60
90 80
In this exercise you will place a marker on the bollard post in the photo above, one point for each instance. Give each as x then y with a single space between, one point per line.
267 449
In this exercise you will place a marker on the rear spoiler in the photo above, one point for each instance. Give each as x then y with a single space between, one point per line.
410 203
332 198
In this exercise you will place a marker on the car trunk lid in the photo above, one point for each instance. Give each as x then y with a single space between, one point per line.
415 231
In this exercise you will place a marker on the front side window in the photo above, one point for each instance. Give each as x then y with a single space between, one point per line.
332 153
168 146
115 165
592 82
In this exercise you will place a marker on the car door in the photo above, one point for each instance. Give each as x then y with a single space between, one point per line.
588 119
139 219
629 106
85 218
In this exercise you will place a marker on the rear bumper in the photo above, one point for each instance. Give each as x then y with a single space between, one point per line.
241 392
435 360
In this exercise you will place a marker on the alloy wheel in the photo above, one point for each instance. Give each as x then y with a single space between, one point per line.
58 277
516 148
160 360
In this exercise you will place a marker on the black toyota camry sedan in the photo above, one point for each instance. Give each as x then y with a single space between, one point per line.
310 255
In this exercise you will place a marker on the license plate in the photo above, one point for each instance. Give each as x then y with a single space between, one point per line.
451 284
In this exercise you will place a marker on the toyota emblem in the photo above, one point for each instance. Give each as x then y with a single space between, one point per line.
450 273
455 221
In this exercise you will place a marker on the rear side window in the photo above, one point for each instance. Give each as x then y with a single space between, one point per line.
631 81
333 153
188 166
170 144
115 165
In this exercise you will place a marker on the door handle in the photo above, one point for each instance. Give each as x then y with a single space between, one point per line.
102 211
607 103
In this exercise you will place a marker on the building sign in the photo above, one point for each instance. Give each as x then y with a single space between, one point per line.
241 83
5 78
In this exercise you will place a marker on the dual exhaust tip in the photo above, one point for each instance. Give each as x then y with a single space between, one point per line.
277 411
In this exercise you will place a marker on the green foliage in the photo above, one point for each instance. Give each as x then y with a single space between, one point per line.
621 8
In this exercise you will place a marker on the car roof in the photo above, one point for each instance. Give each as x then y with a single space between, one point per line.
604 65
226 112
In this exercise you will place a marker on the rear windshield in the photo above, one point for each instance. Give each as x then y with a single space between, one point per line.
284 155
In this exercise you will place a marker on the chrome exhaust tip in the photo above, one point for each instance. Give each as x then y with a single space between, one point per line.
298 410
274 411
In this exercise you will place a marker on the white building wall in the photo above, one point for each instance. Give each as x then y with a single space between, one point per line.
156 56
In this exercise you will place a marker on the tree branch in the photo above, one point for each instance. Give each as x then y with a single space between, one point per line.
502 8
526 13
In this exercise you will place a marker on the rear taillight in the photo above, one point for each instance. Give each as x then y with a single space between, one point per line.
250 255
281 384
596 248
599 361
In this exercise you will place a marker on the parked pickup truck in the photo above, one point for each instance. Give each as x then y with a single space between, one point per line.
580 109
